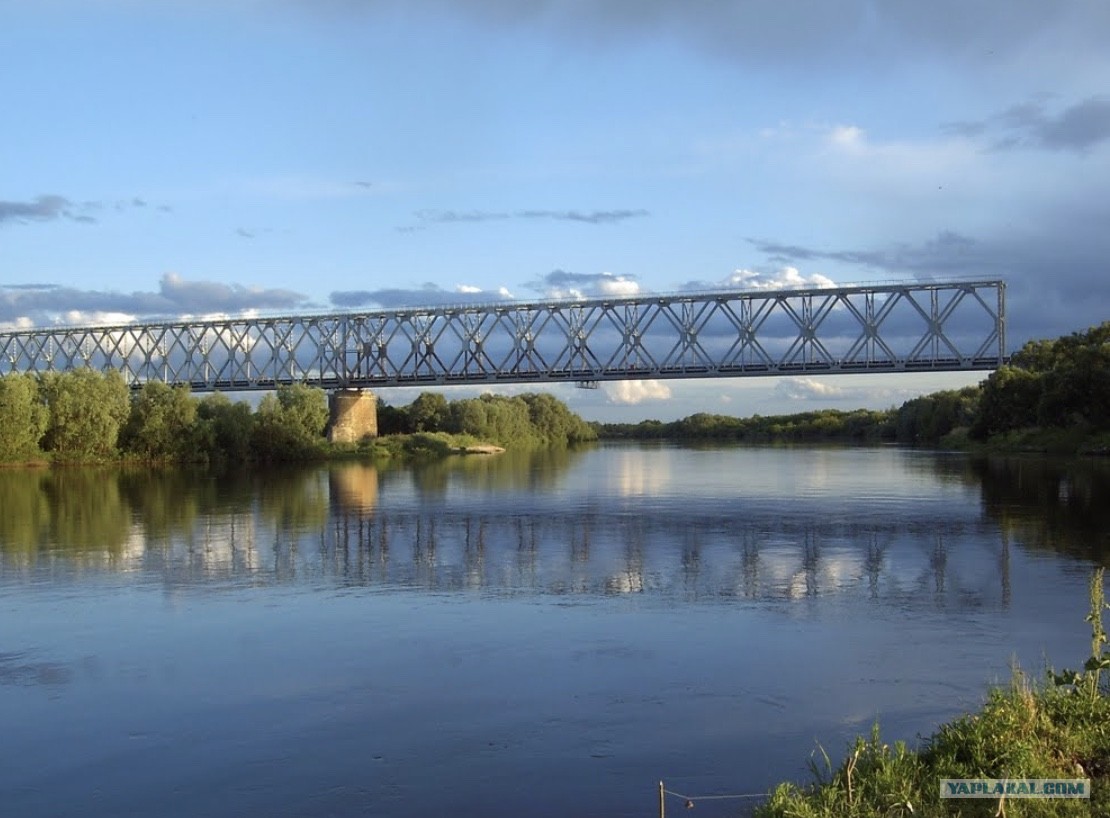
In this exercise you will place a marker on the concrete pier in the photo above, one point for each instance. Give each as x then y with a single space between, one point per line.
354 415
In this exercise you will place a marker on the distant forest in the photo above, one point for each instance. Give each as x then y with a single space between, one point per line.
1053 395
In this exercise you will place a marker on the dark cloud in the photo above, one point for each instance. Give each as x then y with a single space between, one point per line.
428 217
947 253
243 233
1029 125
1054 285
44 304
51 207
591 217
455 216
42 209
430 295
796 34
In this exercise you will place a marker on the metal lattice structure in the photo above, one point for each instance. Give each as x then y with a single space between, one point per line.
888 328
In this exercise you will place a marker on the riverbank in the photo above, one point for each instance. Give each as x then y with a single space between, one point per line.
1057 729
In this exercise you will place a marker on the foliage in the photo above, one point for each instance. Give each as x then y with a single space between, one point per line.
1062 383
532 419
861 425
161 422
1060 730
930 418
428 413
224 429
289 424
22 418
393 420
87 410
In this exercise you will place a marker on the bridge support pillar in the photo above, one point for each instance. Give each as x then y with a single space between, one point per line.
354 415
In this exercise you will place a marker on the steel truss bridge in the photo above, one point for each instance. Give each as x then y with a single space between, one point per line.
861 329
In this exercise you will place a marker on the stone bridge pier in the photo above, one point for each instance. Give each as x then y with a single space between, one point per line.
353 415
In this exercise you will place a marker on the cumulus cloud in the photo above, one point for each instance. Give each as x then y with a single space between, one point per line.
44 304
809 389
628 393
786 278
565 284
1078 127
430 295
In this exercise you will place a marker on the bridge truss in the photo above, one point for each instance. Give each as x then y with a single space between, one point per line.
861 329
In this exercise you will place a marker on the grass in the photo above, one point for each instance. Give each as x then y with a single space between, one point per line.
1059 728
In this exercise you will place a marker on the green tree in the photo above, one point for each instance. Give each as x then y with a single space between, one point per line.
393 420
224 429
289 423
161 423
554 422
1009 401
22 418
87 410
429 413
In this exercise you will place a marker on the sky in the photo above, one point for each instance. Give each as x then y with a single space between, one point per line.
222 157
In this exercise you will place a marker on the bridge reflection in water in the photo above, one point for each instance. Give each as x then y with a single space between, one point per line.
517 532
598 554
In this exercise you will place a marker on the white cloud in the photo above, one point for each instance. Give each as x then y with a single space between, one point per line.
809 389
618 285
847 137
784 279
629 393
80 318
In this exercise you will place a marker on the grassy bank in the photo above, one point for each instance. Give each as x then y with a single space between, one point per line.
1059 728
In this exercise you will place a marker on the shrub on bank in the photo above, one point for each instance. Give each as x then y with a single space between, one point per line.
1059 729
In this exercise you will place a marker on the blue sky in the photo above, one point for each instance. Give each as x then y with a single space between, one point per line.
204 157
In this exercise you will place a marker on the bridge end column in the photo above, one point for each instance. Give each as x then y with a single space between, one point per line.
353 415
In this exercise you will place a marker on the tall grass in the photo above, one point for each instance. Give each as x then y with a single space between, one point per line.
1056 729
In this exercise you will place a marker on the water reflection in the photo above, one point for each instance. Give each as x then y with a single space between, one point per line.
560 627
1052 504
491 525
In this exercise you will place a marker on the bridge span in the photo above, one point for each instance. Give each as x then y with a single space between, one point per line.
933 327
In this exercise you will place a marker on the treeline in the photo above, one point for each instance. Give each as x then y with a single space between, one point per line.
85 415
861 425
534 419
1053 394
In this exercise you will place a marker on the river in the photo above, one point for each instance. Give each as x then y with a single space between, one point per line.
543 634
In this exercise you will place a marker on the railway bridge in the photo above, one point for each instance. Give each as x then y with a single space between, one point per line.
909 327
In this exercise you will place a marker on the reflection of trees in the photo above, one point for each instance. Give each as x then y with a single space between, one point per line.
328 524
1048 503
24 510
87 510
534 469
293 498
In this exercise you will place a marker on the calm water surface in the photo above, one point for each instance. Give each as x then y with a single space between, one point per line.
546 635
